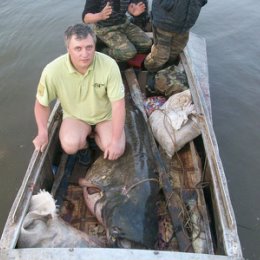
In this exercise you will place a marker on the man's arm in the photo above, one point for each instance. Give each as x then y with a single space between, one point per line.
117 145
91 17
118 119
41 116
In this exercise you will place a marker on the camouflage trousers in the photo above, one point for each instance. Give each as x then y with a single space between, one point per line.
124 41
166 48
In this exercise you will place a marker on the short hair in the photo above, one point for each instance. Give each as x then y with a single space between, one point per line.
81 31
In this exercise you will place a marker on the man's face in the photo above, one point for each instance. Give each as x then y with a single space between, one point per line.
81 52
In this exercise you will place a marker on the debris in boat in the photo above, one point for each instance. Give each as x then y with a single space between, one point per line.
185 174
168 81
167 238
43 228
122 194
198 236
153 103
175 123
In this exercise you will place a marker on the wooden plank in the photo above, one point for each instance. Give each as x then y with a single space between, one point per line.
184 170
59 174
201 201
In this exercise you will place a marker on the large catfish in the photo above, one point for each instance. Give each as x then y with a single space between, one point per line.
123 193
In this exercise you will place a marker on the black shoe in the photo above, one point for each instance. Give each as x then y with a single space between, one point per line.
85 157
150 84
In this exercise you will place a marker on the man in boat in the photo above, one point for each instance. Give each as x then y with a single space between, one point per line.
111 25
171 21
89 86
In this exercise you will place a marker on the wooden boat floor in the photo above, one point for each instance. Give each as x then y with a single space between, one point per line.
75 212
73 208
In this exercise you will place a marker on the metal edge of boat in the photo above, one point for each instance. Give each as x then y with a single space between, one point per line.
104 253
223 203
22 200
232 245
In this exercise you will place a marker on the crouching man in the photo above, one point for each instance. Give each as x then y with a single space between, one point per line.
90 89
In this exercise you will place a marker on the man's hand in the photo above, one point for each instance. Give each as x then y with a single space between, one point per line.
136 9
114 151
40 142
106 12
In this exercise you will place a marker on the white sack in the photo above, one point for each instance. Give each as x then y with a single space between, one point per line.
42 227
175 124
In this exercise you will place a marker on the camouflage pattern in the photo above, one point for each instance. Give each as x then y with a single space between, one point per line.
166 48
167 82
123 41
170 81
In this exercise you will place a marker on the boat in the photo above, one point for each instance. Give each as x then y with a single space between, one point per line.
204 173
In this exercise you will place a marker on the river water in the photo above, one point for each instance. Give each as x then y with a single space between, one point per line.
31 35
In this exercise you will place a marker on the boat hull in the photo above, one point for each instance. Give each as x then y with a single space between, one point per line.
220 224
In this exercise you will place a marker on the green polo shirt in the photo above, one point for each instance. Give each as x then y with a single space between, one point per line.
86 97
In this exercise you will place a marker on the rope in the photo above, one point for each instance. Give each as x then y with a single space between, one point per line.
125 191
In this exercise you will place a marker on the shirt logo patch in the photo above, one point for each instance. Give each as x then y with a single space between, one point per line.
98 85
41 90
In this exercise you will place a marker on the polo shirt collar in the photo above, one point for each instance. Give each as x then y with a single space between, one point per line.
71 68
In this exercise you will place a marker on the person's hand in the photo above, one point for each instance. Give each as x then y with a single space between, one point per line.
114 151
40 142
106 12
136 9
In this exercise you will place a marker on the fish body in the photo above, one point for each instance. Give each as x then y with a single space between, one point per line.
123 193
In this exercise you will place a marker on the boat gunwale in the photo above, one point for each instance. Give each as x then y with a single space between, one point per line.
105 253
21 203
223 203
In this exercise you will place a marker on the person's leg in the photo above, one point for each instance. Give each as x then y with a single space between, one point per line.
138 37
119 47
179 41
160 51
103 135
73 135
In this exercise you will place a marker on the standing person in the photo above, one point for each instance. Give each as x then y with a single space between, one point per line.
123 39
90 89
171 21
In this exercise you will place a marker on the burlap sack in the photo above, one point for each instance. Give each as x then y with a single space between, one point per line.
172 140
43 228
175 123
